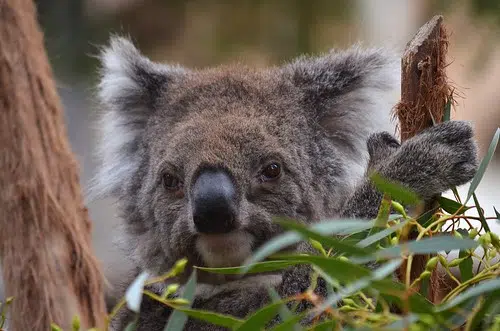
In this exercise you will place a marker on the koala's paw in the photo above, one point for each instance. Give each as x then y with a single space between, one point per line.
437 159
457 150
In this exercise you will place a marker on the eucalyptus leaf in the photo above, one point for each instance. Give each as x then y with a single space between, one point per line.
324 326
451 206
422 246
259 267
480 213
260 318
377 275
178 319
458 315
484 309
484 164
290 320
403 323
395 190
343 271
497 214
335 227
133 295
447 110
132 326
465 267
327 241
290 323
381 235
211 317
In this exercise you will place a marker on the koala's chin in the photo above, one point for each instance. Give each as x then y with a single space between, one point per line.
225 250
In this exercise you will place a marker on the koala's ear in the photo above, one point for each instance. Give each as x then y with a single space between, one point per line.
129 87
349 93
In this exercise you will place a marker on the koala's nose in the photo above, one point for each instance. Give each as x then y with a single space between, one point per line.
214 202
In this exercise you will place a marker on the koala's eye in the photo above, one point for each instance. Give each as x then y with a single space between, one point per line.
171 182
271 172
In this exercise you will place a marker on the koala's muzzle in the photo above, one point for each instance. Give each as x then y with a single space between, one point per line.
214 202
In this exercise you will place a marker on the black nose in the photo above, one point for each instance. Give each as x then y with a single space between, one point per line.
214 202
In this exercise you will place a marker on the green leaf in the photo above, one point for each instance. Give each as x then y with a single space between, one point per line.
479 315
465 266
260 318
132 326
291 323
457 316
386 269
381 235
133 295
290 320
427 217
423 246
403 323
451 206
327 241
447 111
211 317
258 267
339 227
420 305
493 313
340 270
484 164
324 326
480 213
178 319
497 214
395 190
377 275
480 289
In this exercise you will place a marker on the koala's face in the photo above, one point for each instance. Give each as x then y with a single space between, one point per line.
201 161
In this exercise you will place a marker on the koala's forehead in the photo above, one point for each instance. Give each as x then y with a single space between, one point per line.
228 88
229 116
230 140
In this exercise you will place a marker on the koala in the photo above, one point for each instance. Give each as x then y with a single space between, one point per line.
200 161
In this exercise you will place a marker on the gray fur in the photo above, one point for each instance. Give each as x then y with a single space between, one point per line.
314 116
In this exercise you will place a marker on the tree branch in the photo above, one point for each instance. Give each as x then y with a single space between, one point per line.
45 243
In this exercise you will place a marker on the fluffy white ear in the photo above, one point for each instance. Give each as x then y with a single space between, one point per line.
349 93
128 89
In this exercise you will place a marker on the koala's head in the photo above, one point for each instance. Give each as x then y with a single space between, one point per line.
201 160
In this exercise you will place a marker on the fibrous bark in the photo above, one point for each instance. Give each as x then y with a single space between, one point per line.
45 243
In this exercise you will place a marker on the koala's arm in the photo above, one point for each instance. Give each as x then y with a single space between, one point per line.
430 163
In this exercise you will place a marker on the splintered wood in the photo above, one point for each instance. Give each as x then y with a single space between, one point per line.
424 86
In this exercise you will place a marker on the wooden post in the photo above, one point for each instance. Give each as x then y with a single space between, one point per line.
424 94
45 241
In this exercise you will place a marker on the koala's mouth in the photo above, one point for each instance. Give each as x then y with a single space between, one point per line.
225 250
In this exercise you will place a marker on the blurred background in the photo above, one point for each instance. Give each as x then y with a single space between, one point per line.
200 33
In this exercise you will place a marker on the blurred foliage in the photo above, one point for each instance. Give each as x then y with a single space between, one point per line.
196 33
207 32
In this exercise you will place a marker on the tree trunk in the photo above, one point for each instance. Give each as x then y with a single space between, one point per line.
45 243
